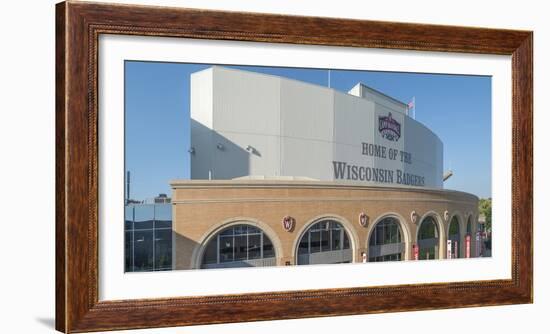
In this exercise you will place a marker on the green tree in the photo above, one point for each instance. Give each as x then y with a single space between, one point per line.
485 205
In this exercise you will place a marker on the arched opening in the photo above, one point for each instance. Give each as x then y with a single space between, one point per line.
428 239
454 237
469 238
239 246
386 241
325 242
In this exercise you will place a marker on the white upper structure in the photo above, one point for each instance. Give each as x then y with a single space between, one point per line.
246 124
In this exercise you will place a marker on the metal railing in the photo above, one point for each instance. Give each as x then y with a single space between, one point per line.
387 249
336 256
266 262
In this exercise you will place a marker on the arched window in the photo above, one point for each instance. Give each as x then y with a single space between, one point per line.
239 246
454 236
428 239
324 242
385 243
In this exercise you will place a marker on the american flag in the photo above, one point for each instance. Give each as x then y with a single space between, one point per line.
411 106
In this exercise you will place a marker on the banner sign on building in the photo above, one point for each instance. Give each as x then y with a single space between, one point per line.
415 251
347 171
456 250
468 238
449 249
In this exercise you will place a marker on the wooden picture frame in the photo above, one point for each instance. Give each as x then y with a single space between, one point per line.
78 26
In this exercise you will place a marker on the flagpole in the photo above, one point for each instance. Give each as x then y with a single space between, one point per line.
329 78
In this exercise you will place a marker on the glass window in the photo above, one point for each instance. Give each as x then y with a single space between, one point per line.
324 236
239 243
211 252
129 212
128 251
455 227
128 225
254 246
387 234
143 225
253 230
387 231
378 235
143 250
148 237
384 258
395 234
163 249
325 240
269 251
315 241
163 224
128 217
240 230
144 216
304 246
427 253
226 248
163 215
241 247
428 230
337 239
229 231
346 241
454 235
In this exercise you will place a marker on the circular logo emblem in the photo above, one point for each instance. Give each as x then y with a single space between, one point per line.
389 128
288 223
363 219
414 217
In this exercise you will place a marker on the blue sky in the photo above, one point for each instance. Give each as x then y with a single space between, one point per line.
457 108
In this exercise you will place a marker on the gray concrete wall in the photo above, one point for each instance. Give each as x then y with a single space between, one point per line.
250 124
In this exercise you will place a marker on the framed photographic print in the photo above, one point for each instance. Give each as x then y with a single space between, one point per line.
223 166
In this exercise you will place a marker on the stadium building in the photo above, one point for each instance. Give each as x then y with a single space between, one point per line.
285 172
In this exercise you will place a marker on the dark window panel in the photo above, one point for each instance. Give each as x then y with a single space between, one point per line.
128 225
346 241
128 252
255 246
238 243
163 249
143 250
163 224
211 252
143 225
304 245
269 251
226 248
315 241
325 240
227 232
336 239
241 247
